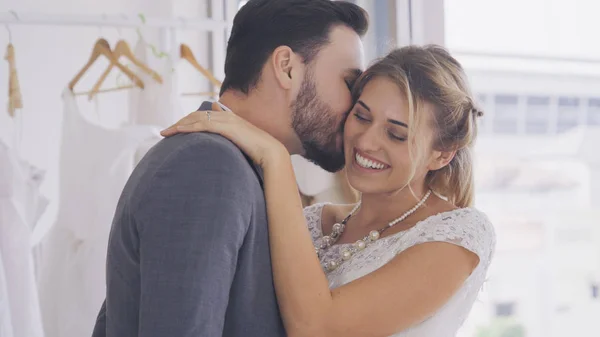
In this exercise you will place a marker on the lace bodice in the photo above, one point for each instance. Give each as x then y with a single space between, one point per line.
466 227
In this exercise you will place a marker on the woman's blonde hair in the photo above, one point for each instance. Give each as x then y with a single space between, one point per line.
431 75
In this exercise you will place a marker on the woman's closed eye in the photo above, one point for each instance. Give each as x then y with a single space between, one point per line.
392 134
361 118
396 137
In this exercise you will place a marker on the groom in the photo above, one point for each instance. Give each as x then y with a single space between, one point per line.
188 253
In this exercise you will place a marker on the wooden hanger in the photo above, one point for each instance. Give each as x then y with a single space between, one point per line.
15 100
122 49
103 48
187 54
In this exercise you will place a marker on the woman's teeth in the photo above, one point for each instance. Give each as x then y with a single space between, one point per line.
366 163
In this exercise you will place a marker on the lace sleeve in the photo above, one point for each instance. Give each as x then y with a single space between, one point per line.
467 228
312 214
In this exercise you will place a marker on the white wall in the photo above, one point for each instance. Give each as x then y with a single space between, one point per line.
557 28
48 57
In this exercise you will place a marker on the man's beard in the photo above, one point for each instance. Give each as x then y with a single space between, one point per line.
317 127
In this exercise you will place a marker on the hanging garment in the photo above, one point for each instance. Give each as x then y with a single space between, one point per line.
6 329
157 104
95 163
21 206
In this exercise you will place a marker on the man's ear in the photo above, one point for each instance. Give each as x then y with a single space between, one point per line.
285 63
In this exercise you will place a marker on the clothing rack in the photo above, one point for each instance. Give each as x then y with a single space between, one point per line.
125 21
218 25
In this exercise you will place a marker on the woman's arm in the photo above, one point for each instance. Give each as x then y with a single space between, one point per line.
404 292
302 288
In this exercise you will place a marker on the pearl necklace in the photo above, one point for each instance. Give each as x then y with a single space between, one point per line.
338 229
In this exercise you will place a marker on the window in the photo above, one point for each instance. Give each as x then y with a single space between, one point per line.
593 111
538 95
568 113
506 309
537 115
506 114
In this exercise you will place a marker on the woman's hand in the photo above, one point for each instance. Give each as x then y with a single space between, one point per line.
260 146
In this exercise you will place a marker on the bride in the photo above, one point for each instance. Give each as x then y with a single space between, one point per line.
410 258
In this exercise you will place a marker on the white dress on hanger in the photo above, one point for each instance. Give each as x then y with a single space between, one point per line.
21 206
6 329
95 163
467 227
158 103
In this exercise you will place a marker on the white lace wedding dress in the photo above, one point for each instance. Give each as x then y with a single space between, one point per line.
467 227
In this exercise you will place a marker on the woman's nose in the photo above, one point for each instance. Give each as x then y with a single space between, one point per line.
369 141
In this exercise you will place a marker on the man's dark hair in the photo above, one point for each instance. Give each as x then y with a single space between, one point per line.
263 25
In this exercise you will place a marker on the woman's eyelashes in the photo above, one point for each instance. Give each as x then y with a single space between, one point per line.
361 118
391 133
396 137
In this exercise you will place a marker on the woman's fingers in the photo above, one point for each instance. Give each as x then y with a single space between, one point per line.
195 127
218 125
189 119
195 118
255 142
